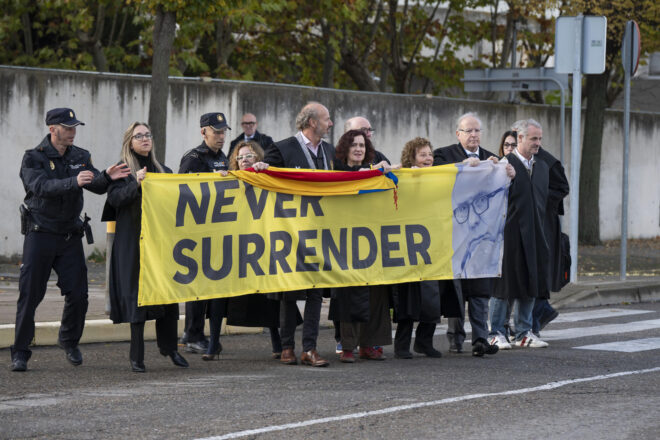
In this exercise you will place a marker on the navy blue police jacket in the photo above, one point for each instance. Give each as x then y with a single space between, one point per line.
52 193
202 159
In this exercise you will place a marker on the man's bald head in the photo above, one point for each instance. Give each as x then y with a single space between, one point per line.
359 123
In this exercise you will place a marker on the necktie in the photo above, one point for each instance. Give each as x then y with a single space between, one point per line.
473 155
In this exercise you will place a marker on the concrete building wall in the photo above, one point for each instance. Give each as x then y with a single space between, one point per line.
108 103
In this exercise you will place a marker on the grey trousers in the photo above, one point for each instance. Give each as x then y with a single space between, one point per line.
478 315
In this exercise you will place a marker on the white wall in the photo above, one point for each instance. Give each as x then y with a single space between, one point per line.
108 103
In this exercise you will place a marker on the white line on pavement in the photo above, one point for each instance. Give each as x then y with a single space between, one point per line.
597 314
609 329
359 415
632 346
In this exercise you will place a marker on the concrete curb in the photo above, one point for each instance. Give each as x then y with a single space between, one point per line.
604 293
103 330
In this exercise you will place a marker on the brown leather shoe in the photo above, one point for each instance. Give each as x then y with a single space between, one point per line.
312 358
288 357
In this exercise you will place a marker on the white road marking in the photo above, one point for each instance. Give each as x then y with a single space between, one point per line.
608 329
393 409
626 346
597 314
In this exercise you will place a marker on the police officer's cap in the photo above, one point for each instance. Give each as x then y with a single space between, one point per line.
215 120
62 116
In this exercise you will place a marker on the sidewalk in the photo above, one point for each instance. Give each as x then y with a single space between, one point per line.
598 285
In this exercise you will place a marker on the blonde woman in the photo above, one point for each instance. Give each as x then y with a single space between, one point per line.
124 205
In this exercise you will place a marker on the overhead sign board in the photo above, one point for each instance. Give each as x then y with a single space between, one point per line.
517 80
592 40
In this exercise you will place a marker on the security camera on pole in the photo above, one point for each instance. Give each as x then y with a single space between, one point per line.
579 48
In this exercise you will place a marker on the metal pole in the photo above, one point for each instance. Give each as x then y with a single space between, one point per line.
626 152
514 43
576 112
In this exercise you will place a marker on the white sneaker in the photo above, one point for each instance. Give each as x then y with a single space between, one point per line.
531 340
500 341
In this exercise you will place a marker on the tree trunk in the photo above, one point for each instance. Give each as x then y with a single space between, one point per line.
589 216
164 28
358 73
329 58
27 34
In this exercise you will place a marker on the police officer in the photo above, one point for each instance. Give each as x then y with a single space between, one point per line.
205 158
54 175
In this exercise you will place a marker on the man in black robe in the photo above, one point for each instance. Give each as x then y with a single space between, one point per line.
250 133
308 150
557 190
524 263
476 291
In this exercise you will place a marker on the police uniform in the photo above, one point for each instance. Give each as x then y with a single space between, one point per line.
53 233
202 159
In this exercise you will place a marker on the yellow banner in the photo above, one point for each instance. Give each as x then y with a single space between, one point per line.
206 236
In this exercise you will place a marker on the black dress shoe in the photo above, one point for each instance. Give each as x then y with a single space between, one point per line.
138 367
430 352
177 359
455 348
480 348
18 365
403 355
74 356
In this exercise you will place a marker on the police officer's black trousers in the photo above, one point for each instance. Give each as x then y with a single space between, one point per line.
41 252
403 335
195 317
166 330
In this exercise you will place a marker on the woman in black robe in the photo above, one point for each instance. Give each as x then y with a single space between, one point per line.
124 204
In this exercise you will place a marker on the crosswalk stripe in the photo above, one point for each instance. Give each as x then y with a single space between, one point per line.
597 314
626 346
608 329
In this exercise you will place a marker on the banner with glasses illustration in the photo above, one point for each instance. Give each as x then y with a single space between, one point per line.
207 236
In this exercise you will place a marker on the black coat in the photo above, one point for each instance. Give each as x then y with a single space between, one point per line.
480 287
557 190
124 205
455 153
263 140
202 159
255 310
419 301
524 263
349 304
288 153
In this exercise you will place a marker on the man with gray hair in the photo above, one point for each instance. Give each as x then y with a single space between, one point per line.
558 189
306 149
476 292
361 123
524 263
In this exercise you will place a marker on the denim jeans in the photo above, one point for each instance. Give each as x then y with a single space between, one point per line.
541 308
522 315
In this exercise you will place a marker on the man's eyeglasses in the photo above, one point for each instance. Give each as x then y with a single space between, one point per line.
367 130
139 137
246 156
480 205
248 123
510 145
471 131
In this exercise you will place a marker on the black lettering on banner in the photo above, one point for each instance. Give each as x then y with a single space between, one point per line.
388 246
187 198
220 201
303 251
256 207
209 272
306 201
280 211
422 247
355 247
252 259
279 256
340 252
185 261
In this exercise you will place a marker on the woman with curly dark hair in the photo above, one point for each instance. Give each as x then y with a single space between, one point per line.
354 151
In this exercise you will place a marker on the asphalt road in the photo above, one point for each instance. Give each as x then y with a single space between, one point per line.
558 392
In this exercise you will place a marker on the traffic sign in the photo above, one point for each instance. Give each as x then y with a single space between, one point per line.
593 32
631 48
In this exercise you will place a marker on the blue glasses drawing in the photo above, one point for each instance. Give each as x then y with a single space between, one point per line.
480 205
